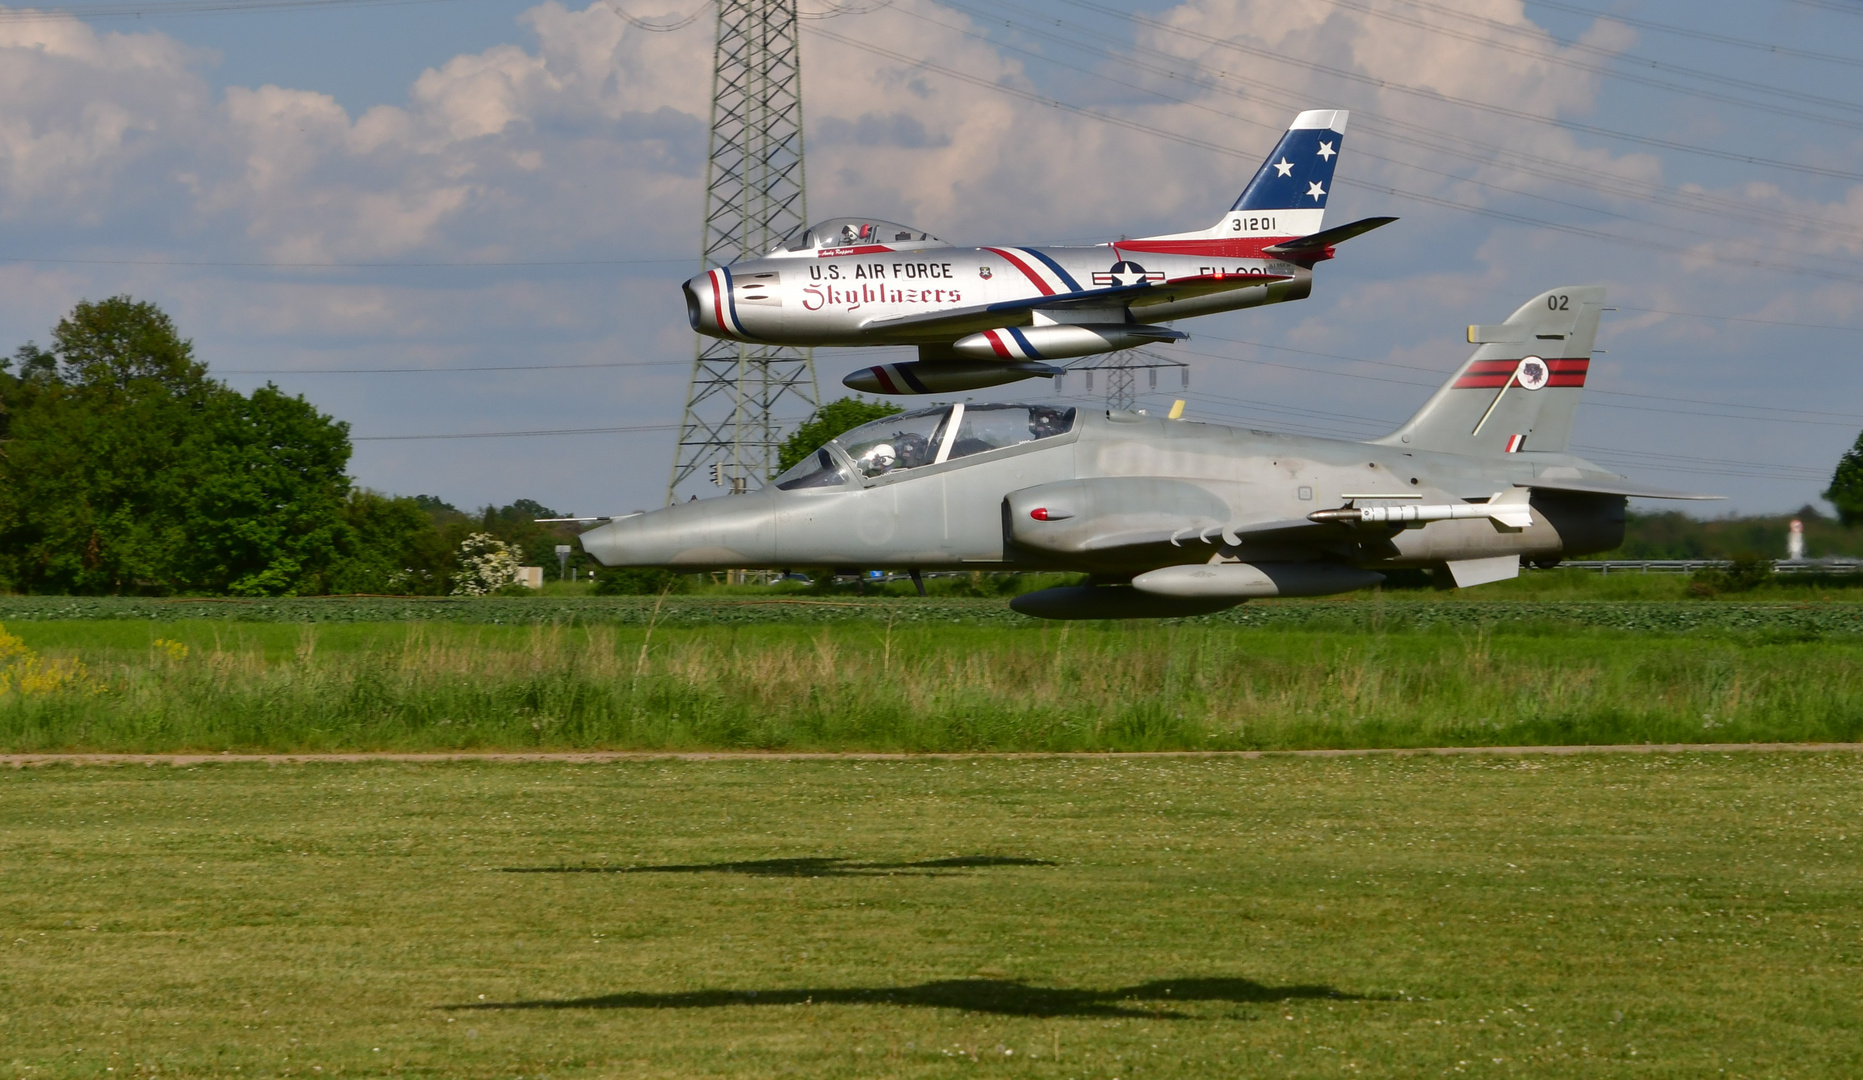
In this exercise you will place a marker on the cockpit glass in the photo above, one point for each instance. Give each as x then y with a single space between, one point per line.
853 232
992 427
819 470
910 440
901 441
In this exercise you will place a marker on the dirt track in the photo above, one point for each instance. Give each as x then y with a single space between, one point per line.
594 757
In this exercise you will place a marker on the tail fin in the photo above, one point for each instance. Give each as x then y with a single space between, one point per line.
1520 389
1296 178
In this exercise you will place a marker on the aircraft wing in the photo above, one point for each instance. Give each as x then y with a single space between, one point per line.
948 325
1302 532
1629 488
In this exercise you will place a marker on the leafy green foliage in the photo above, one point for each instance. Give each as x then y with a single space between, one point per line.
129 470
1743 573
640 582
844 414
394 547
1846 490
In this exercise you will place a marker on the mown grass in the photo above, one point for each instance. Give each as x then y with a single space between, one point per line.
1650 916
870 685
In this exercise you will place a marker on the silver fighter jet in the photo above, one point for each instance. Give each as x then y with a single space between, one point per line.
984 316
1171 517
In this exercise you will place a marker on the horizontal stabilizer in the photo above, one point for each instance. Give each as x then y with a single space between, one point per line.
1326 238
1628 488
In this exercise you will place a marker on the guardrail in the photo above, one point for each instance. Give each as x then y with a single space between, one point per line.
1689 566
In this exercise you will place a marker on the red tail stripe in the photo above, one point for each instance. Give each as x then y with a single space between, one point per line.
1027 271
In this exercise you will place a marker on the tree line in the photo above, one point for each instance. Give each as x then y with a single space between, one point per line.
126 468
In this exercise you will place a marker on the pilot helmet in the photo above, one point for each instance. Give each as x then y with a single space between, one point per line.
878 459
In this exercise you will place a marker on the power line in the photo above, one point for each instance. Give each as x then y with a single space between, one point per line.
1432 95
1188 140
1796 416
1598 69
449 370
518 434
191 7
1434 140
1699 35
1746 319
861 349
1461 207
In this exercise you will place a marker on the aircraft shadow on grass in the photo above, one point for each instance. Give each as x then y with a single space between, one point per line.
1004 997
803 867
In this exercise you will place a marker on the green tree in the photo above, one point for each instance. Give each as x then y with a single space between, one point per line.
1846 490
394 547
128 469
830 420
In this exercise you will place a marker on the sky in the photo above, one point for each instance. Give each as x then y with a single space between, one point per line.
459 217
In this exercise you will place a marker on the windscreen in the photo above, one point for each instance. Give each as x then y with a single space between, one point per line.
818 470
992 427
853 232
902 441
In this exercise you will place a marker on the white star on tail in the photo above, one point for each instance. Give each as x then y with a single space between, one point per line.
1283 167
1327 151
1316 191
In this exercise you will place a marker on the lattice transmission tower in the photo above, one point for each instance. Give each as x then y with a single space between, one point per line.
740 394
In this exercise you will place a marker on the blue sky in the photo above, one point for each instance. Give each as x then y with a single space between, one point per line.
283 182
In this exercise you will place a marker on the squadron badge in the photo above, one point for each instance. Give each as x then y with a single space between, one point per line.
1532 373
983 272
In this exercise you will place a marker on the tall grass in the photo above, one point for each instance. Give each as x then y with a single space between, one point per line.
882 687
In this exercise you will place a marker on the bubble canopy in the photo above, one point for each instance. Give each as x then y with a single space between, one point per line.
853 232
934 436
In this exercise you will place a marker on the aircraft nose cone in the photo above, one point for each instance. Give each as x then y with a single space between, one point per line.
727 532
694 309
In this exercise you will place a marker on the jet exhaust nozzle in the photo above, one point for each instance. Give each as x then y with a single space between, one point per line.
1245 581
1115 602
943 376
1062 341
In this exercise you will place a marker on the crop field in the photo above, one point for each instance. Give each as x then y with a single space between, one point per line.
919 675
1680 915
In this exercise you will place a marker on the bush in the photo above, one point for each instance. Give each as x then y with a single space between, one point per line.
640 582
1744 573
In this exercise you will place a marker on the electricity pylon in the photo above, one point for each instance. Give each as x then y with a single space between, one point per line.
739 393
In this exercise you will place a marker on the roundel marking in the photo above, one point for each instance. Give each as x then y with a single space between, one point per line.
1533 373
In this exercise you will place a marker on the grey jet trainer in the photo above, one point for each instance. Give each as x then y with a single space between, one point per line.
985 316
1171 517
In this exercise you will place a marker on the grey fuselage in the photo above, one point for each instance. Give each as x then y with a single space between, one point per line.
1123 476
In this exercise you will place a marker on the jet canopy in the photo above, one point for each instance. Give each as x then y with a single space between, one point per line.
911 440
853 232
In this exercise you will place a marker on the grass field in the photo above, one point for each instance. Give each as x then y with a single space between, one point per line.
1347 676
1648 916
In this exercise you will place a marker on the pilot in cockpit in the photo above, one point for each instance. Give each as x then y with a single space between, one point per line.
1045 422
907 450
